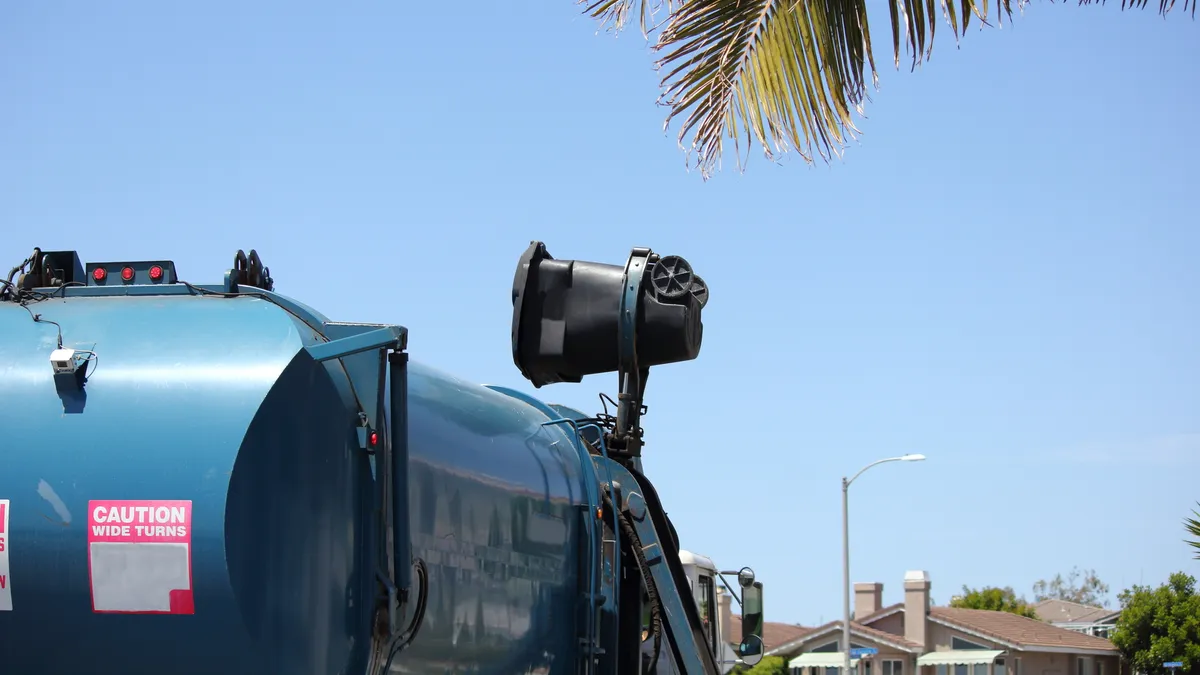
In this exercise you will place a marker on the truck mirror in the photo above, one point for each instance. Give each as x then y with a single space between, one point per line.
751 648
745 577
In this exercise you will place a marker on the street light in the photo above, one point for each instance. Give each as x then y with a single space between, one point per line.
846 550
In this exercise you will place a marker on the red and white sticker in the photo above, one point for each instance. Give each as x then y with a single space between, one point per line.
5 590
140 556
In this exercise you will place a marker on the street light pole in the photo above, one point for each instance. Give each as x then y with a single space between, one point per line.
846 552
846 574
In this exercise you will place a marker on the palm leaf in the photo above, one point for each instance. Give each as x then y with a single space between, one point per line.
1193 528
786 74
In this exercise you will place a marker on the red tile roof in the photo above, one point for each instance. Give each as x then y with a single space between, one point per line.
775 634
855 629
1065 611
1018 630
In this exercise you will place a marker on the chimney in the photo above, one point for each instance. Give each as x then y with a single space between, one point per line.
916 606
724 603
868 599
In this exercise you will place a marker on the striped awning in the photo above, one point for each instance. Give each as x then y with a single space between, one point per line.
821 660
957 657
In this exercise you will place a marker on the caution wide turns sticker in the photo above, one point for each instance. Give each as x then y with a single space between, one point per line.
5 590
140 556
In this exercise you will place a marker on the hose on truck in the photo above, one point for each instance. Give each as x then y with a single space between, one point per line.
629 532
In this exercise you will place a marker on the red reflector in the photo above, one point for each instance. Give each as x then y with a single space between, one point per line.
127 273
99 273
156 273
374 438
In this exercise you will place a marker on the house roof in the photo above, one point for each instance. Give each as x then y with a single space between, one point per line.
1065 611
1018 631
775 634
1006 628
879 614
856 630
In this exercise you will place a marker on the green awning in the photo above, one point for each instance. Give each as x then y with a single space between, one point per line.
956 657
821 660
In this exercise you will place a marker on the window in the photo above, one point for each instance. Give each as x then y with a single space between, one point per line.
1099 667
998 666
896 667
959 643
971 669
828 670
833 646
1080 666
705 602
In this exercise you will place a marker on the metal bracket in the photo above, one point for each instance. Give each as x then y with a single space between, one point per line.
393 471
388 337
685 635
631 379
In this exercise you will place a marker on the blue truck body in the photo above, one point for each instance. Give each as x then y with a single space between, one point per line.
279 430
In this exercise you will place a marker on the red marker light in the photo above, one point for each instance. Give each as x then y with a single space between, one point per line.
127 273
99 273
156 273
373 438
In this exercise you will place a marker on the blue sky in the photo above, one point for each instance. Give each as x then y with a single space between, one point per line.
1000 274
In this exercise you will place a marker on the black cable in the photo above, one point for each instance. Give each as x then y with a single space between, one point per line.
204 292
418 619
409 634
635 544
94 359
37 318
24 297
8 284
63 287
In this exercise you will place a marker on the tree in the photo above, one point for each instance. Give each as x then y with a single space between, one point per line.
993 598
1193 528
1086 591
783 73
1159 625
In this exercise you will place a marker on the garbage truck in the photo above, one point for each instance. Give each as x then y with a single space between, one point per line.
203 476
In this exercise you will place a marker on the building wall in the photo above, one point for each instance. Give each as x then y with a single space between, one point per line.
1038 663
1034 663
886 653
908 667
893 624
831 643
1031 663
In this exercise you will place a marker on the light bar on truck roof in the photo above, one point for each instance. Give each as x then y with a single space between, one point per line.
146 272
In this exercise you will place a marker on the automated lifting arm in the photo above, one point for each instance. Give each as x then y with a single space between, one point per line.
574 318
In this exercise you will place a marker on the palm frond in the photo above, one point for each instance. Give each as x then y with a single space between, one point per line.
786 74
614 14
1193 528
